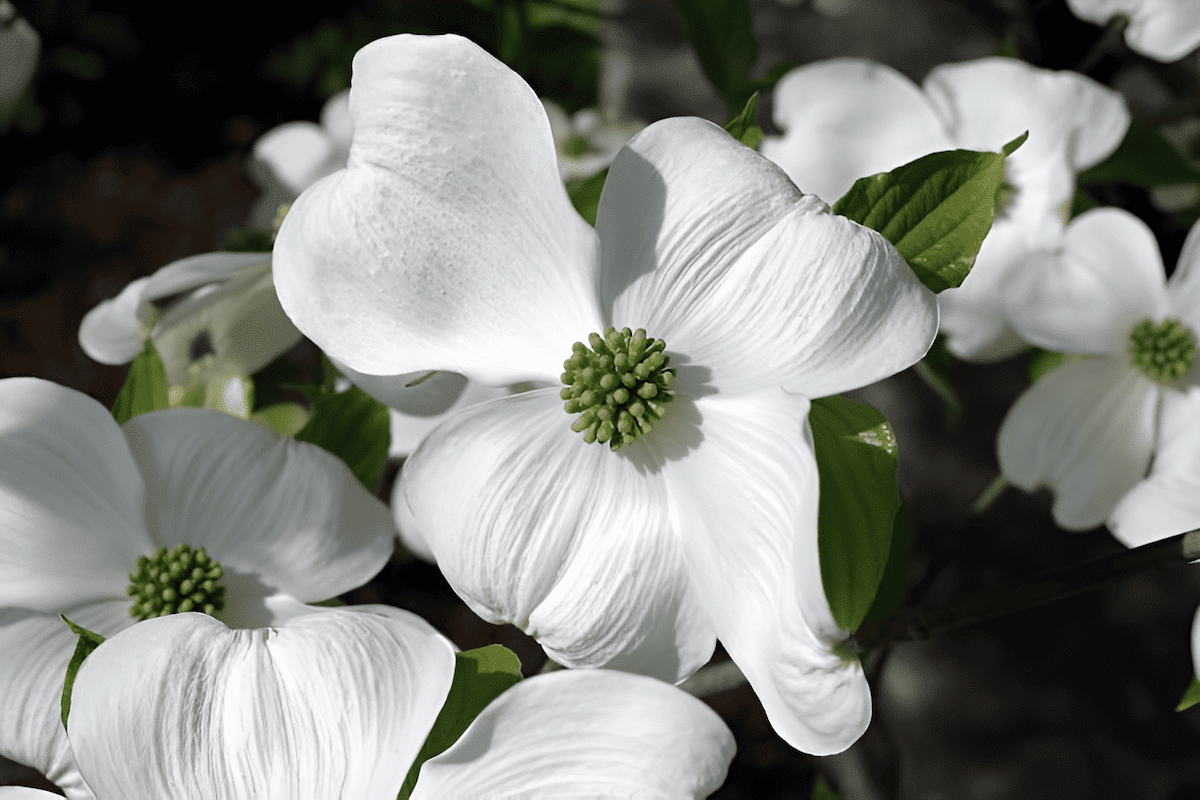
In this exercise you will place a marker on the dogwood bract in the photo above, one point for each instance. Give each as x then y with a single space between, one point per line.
227 325
1087 429
88 508
848 118
1166 30
336 706
676 499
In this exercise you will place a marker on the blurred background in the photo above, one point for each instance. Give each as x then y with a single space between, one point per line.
128 150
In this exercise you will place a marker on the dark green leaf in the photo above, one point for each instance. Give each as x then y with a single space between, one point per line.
856 462
934 369
355 427
935 210
145 387
249 240
774 75
1008 47
88 641
1144 158
1190 697
1081 202
744 127
895 572
585 195
723 38
1042 361
821 791
480 676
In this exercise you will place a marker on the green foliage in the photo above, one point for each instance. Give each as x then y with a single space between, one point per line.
145 387
585 195
821 791
480 676
1144 158
935 210
1190 697
1043 361
856 462
722 35
88 641
1007 48
744 127
249 240
934 369
895 573
353 426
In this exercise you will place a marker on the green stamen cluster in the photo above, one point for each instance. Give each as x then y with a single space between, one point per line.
181 580
1163 352
620 387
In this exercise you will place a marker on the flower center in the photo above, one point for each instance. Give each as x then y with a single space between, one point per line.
181 580
1163 352
619 387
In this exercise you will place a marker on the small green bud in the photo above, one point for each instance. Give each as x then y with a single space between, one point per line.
180 580
619 387
1164 352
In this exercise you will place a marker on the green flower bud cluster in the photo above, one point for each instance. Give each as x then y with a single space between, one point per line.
619 387
181 580
1163 352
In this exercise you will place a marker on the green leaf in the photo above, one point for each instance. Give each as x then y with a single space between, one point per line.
355 427
249 240
856 462
1190 697
723 38
480 676
935 210
934 369
744 127
1007 48
821 791
1043 361
88 641
1144 158
895 573
585 195
145 387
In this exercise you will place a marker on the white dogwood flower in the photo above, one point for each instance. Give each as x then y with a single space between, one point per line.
676 499
336 706
1165 30
1088 428
849 118
93 515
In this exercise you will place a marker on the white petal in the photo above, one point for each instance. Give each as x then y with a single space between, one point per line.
591 733
1167 502
1073 121
332 705
848 118
1108 278
193 272
71 499
746 278
19 49
284 515
335 119
568 541
35 648
745 500
1166 30
26 793
299 154
409 429
241 321
1085 429
113 332
449 241
1183 287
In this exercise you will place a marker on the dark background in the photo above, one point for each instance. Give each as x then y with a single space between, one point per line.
129 152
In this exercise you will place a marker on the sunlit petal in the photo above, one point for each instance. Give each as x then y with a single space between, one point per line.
449 241
745 277
745 500
567 540
848 118
283 513
1086 429
71 498
333 705
586 733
